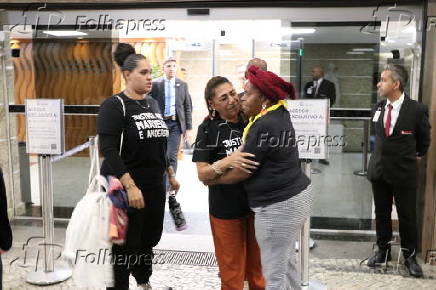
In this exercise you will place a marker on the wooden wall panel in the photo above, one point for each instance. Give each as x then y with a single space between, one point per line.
24 83
81 72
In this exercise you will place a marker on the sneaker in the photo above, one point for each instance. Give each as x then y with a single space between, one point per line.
176 213
379 258
414 268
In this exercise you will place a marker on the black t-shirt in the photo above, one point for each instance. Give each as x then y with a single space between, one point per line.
216 139
272 140
145 135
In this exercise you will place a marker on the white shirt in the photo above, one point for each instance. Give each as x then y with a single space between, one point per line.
170 107
316 85
396 106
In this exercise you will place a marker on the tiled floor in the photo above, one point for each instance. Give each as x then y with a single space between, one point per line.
339 193
334 273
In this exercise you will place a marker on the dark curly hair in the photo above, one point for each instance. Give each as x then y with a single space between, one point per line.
126 57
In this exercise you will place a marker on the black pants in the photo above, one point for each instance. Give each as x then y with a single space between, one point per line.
1 273
143 233
126 262
405 202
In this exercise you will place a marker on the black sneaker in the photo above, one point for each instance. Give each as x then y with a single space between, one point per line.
176 213
414 268
379 258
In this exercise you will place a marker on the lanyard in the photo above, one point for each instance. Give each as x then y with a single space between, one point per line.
261 114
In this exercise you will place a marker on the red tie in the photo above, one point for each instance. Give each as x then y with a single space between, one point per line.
388 121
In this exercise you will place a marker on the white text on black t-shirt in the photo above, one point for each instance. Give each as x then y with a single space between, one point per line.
152 123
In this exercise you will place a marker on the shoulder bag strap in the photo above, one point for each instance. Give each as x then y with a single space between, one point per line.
124 114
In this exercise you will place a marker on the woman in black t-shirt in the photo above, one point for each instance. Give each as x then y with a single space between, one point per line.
132 120
278 191
232 222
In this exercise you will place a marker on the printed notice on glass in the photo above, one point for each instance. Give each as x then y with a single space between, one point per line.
45 126
310 119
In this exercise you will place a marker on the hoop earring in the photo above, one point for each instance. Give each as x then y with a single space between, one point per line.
213 114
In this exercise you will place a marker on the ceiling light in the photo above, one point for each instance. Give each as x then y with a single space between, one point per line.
302 30
290 30
365 49
354 52
65 33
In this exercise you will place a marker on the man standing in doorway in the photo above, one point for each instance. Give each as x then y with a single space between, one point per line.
260 63
176 106
320 88
402 136
257 62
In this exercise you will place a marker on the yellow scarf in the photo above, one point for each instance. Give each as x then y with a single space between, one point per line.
261 114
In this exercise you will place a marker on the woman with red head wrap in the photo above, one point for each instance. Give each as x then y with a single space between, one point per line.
278 191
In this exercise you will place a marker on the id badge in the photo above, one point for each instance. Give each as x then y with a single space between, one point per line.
309 90
376 116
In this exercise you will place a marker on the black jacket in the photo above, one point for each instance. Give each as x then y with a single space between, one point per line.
183 101
394 157
5 228
326 90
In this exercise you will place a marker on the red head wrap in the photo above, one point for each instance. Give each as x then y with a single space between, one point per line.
270 84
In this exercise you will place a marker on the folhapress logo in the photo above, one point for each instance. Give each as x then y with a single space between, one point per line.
103 22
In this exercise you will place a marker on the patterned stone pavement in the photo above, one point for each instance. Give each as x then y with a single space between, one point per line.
334 273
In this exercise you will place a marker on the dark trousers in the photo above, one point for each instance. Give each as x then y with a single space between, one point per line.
173 144
405 202
126 262
143 233
1 273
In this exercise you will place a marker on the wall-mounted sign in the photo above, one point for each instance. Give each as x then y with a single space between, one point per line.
310 119
45 126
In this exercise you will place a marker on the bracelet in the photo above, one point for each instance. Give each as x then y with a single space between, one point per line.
215 168
171 175
130 185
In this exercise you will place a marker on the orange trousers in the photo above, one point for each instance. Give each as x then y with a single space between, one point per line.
237 253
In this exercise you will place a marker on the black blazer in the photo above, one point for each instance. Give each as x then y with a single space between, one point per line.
183 101
394 157
5 227
326 90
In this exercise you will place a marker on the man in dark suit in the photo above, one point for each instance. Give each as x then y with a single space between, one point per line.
320 88
176 106
5 228
402 136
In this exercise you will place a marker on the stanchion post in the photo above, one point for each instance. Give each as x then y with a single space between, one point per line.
304 247
365 142
93 142
365 145
46 189
50 274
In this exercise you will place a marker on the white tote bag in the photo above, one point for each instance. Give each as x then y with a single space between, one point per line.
87 245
